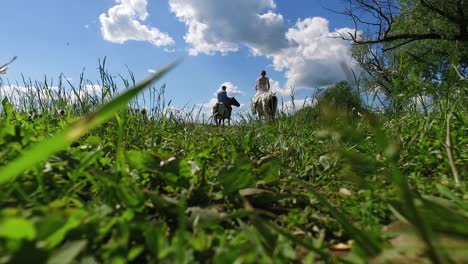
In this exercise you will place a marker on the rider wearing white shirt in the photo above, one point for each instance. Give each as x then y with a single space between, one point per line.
262 86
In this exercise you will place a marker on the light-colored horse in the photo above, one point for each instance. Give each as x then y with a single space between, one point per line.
221 112
266 105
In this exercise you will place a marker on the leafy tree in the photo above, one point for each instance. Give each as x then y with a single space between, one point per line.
342 96
408 47
405 21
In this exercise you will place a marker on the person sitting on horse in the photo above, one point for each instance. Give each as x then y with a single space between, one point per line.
223 98
261 86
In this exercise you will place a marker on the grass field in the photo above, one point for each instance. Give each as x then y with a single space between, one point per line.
86 178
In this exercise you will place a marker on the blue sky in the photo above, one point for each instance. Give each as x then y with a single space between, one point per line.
220 41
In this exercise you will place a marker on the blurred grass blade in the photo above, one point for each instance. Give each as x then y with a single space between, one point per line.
413 215
447 193
408 198
299 241
364 240
41 151
67 253
253 238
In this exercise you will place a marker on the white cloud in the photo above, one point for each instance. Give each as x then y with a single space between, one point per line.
207 108
316 57
222 26
276 88
231 89
123 22
309 53
152 71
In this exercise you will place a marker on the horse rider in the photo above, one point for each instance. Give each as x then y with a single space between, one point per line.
262 86
223 98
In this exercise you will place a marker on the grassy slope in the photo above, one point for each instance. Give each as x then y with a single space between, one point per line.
137 189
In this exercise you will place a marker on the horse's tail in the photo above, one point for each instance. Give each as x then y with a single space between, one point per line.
273 105
216 108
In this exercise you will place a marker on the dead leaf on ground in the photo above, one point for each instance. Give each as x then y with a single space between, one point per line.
407 247
342 246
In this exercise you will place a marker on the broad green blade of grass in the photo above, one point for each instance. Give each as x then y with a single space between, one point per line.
409 207
41 151
408 198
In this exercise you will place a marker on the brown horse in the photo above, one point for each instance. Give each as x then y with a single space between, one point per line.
221 112
266 105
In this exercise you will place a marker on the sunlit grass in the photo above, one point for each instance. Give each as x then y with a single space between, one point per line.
107 177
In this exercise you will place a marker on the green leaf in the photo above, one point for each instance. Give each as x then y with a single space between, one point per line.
68 252
50 224
8 108
94 141
155 239
17 228
447 193
365 240
442 216
5 126
176 172
236 176
59 235
201 241
135 252
268 169
129 195
142 160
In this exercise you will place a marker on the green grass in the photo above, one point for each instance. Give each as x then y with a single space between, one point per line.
88 178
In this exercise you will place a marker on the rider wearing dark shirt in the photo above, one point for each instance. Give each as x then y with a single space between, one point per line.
223 98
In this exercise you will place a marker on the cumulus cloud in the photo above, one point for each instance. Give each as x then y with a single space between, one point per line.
316 57
222 26
208 106
275 87
231 90
309 53
123 22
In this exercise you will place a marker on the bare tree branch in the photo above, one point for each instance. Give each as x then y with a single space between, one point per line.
378 16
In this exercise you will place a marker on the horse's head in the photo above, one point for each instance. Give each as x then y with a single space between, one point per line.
234 102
